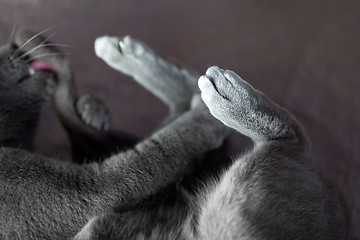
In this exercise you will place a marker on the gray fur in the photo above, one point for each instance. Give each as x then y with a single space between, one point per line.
271 192
42 198
21 97
170 82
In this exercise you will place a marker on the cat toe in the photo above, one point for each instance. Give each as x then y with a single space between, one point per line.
211 97
207 88
136 49
130 46
93 112
214 85
107 48
237 82
214 72
126 54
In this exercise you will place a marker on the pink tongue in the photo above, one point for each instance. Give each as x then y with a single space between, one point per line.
40 66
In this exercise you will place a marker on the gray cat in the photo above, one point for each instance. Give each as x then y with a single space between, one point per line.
43 198
271 192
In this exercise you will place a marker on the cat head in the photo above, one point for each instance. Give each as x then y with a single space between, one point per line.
25 83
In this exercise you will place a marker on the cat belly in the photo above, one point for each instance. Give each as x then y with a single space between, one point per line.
221 209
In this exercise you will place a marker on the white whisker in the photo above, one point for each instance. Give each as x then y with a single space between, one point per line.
47 39
29 40
47 55
42 45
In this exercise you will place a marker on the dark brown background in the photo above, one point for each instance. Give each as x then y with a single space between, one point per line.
303 54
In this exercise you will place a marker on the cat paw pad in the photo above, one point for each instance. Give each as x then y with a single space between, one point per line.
93 112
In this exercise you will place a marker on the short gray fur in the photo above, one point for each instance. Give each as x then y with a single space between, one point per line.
43 198
271 192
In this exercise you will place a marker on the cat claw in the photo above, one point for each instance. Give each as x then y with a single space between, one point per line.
93 112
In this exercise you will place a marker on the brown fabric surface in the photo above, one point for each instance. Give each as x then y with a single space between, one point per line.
303 54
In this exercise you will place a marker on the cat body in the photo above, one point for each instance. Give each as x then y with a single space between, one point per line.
43 198
271 192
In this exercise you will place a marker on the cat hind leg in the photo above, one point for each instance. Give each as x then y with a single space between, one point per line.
93 112
238 105
172 83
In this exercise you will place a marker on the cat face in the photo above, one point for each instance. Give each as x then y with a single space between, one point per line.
22 79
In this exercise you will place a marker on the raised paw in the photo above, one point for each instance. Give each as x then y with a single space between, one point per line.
93 112
220 91
123 54
171 82
229 98
238 105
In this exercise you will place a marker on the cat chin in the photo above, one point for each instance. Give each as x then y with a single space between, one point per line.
42 70
51 82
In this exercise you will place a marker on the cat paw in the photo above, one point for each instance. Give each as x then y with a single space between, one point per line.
136 59
123 54
93 112
228 97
